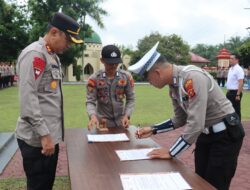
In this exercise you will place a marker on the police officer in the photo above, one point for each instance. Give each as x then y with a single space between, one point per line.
40 126
235 83
107 90
204 111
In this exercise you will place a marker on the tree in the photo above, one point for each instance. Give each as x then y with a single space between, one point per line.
13 31
207 51
233 44
42 11
244 54
172 47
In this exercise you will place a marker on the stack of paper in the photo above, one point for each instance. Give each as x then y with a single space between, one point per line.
155 181
134 154
107 137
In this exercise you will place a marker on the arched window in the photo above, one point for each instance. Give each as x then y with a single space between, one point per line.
88 69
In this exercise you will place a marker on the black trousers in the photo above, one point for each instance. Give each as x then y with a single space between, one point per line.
231 95
216 158
223 80
40 170
219 81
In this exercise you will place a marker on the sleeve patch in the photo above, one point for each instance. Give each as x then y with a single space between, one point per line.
189 88
91 85
131 81
38 66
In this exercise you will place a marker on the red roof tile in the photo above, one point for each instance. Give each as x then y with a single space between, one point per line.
198 59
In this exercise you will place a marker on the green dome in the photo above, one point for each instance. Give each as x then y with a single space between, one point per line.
94 39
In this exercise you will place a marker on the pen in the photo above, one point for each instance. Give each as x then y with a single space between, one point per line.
137 130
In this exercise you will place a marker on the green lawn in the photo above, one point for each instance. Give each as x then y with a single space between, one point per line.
152 105
61 183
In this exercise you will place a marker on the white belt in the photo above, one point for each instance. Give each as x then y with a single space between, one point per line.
215 128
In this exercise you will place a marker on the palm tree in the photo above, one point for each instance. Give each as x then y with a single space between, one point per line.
42 11
233 44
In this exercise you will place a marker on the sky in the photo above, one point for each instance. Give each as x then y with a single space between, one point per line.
196 21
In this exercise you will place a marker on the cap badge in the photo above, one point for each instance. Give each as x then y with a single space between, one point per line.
113 54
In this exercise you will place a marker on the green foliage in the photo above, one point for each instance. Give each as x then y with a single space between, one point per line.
70 55
172 47
42 12
213 73
138 78
233 44
244 54
13 31
78 72
211 51
207 51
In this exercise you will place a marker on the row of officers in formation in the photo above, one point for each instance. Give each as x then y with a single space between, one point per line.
222 73
7 75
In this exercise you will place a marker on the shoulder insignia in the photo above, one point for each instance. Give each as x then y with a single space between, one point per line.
91 82
38 66
91 85
189 88
131 81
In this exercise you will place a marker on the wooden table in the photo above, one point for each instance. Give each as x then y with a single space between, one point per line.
95 166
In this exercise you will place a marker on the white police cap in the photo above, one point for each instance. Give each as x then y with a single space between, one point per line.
146 62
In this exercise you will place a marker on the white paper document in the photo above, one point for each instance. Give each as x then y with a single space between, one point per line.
134 154
155 181
108 137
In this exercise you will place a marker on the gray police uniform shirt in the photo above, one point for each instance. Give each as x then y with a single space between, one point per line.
41 101
110 99
198 101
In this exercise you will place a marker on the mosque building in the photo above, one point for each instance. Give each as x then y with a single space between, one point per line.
90 61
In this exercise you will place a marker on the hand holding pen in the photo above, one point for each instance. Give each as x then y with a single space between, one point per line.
137 133
143 132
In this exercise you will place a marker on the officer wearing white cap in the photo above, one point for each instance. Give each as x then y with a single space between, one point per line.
110 92
202 109
40 126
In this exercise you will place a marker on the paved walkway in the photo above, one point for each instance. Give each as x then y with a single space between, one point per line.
241 181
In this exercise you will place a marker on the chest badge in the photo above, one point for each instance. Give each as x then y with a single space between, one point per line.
53 84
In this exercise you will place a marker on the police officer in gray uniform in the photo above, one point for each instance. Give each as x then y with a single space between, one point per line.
40 126
205 113
110 92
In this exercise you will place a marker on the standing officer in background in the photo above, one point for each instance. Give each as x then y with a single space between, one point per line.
235 82
219 75
205 113
110 92
40 127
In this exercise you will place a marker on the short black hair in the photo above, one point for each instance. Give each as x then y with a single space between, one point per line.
161 59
